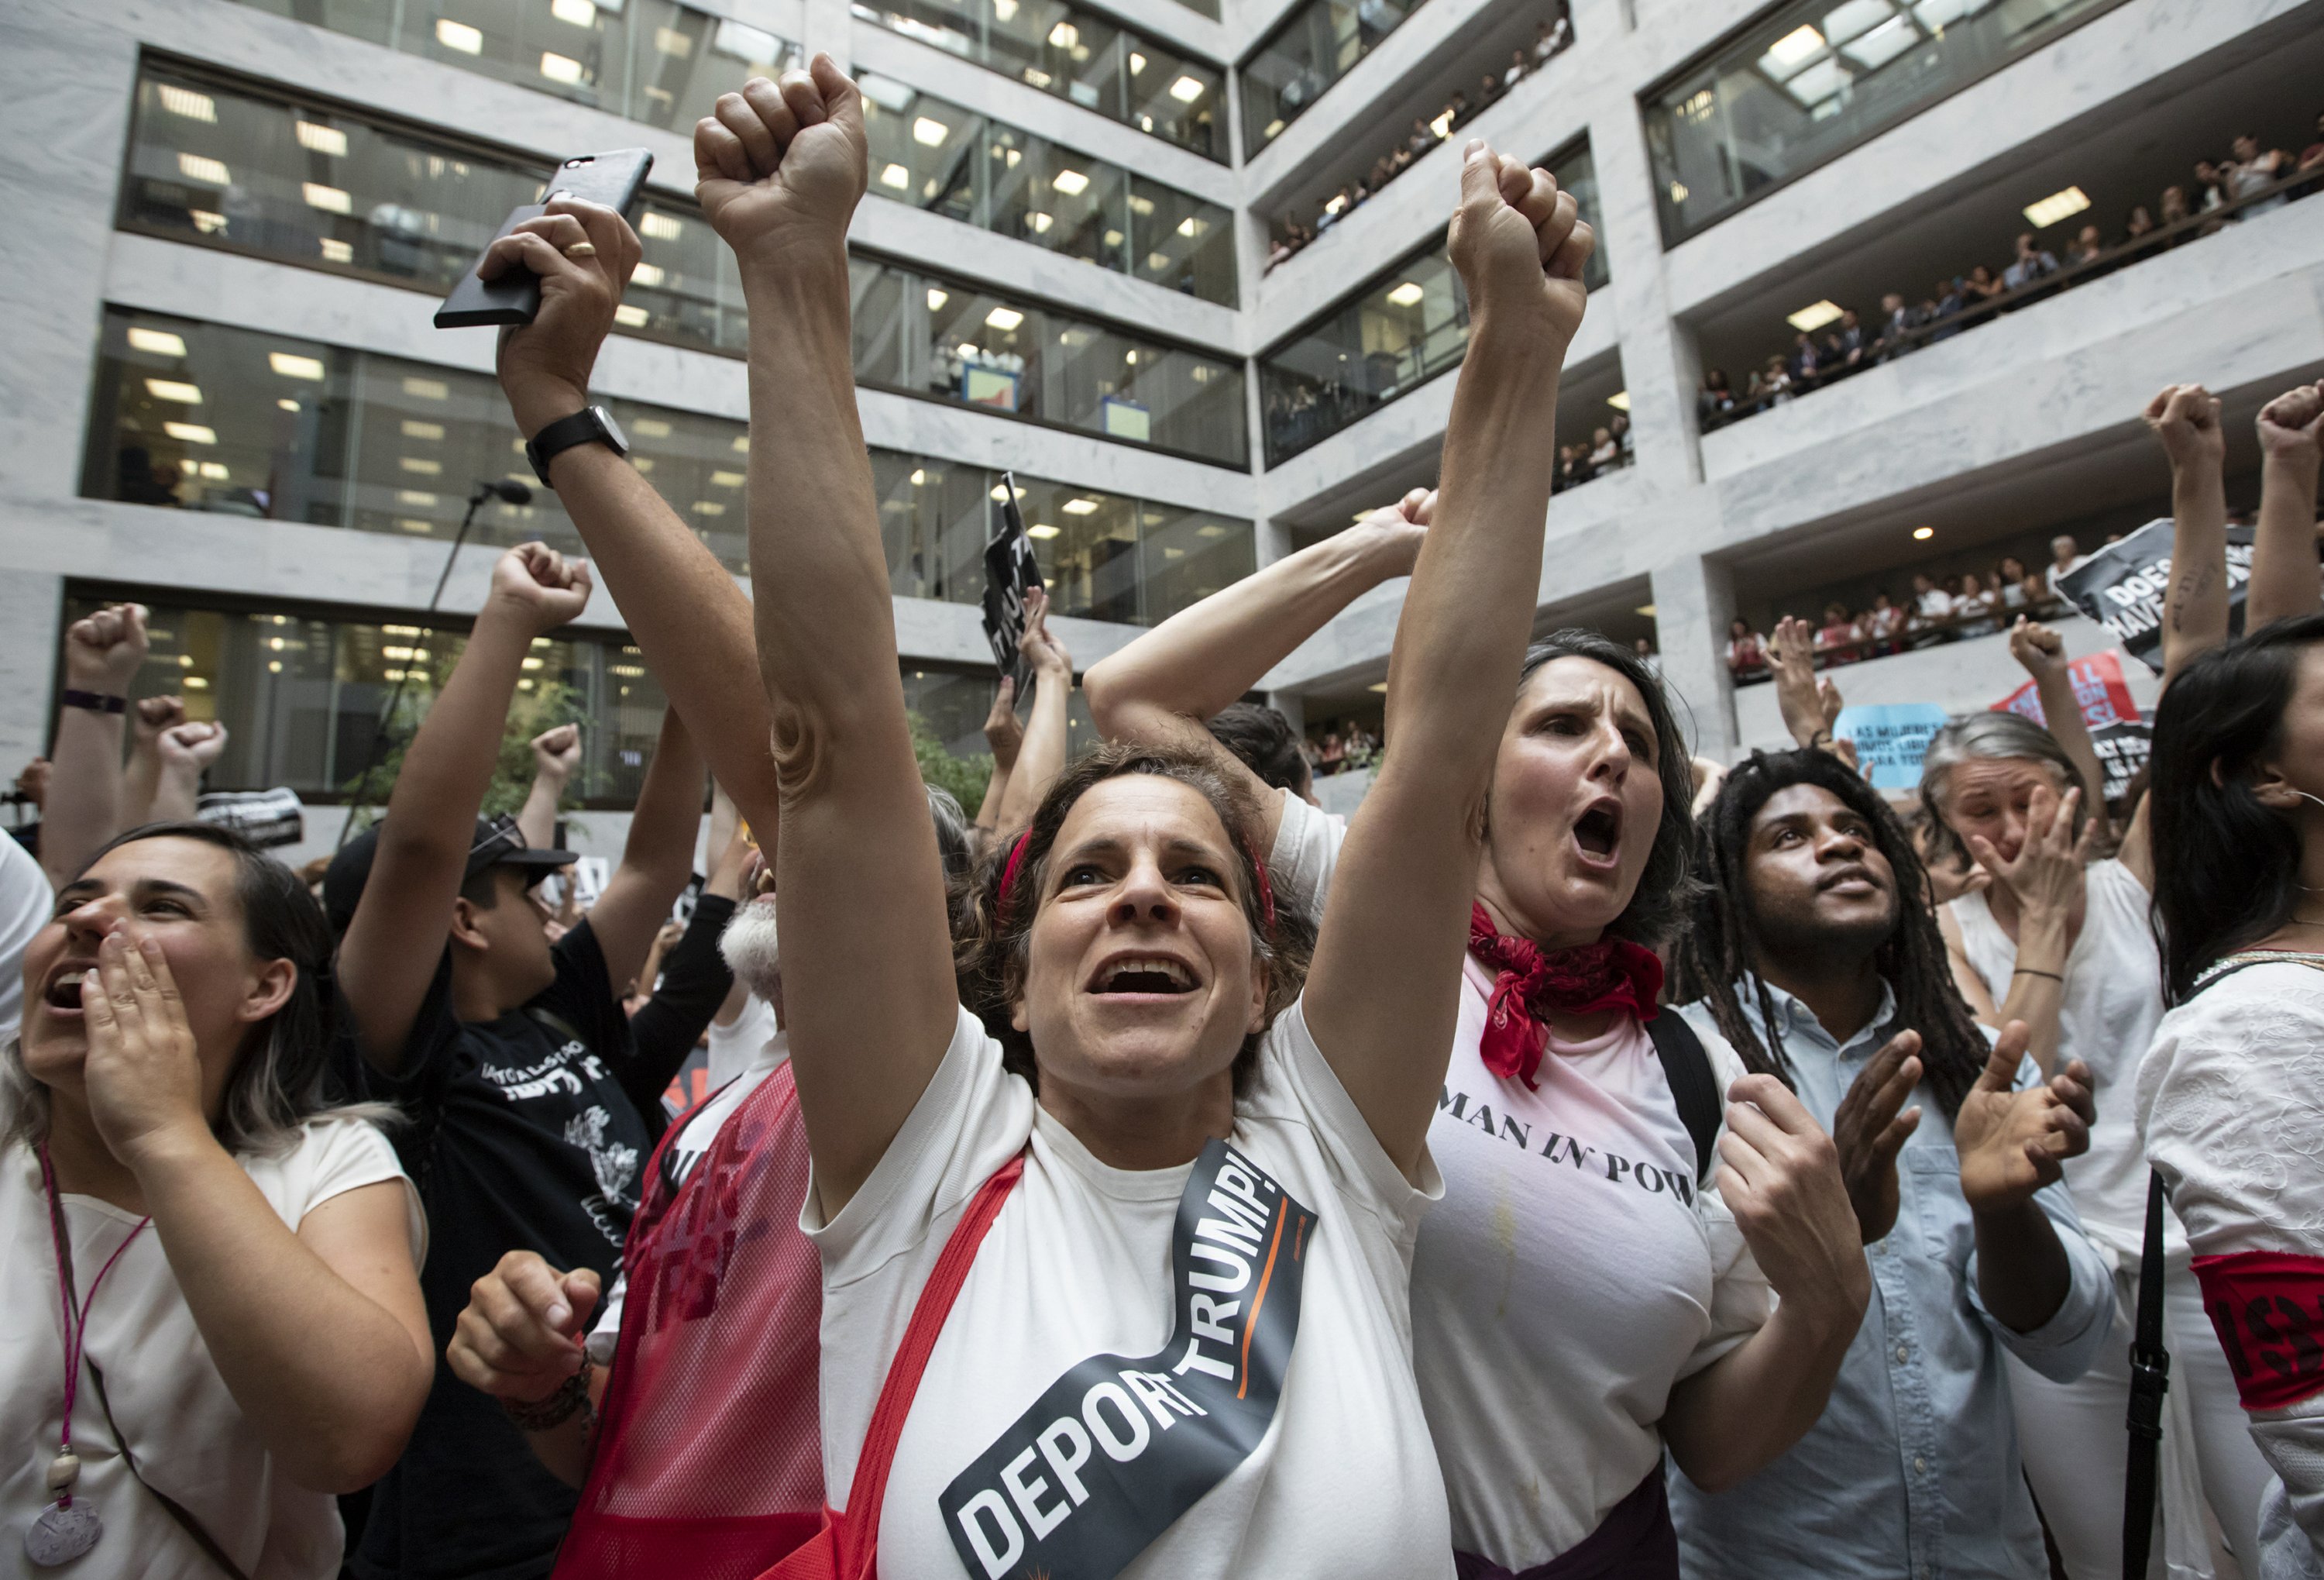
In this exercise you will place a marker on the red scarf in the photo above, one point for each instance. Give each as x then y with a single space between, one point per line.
1608 974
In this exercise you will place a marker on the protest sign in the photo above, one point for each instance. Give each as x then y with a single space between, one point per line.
2098 686
1010 571
2122 750
1891 739
2122 587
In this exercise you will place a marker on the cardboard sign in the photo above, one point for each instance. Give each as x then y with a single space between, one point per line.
1891 739
2122 587
2098 686
1010 571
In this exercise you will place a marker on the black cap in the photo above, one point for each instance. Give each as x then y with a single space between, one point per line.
498 843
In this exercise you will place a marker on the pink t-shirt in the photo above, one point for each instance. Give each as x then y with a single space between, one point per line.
1572 1274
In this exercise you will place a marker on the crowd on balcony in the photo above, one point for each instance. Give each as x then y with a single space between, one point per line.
2253 180
1427 131
1938 609
1609 449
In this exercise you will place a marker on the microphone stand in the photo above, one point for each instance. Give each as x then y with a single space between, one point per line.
515 493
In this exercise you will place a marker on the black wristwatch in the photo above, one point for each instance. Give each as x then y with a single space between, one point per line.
590 425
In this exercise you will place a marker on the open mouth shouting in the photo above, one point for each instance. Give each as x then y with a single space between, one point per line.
1143 978
1598 836
60 995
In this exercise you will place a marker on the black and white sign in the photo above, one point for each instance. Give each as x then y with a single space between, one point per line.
2123 747
1010 571
267 819
2123 586
1117 1449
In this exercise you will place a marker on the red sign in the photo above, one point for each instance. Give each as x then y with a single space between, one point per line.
2099 687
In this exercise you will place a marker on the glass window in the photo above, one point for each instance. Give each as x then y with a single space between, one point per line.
1000 178
649 60
1074 54
1812 80
1316 45
198 416
1404 328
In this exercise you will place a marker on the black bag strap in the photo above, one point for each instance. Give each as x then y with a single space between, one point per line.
2150 1380
1686 1065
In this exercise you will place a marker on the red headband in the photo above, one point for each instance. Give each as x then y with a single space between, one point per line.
1017 860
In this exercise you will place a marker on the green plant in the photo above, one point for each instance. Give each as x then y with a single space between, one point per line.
544 706
965 777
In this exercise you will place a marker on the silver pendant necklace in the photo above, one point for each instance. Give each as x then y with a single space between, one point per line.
69 1527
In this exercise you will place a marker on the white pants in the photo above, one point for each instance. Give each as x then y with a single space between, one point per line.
2077 1447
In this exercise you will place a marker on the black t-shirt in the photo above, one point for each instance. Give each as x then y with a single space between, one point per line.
521 1138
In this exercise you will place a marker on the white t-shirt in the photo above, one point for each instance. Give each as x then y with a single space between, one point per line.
25 899
2106 1019
2231 1102
1077 1263
186 1431
687 1149
734 1048
1572 1275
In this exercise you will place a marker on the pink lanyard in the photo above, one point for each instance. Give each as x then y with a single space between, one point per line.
76 1322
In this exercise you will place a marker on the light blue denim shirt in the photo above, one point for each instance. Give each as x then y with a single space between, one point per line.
1912 1473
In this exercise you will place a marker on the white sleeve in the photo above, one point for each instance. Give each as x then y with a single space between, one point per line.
25 899
973 1118
1307 853
339 1155
1295 1076
605 1337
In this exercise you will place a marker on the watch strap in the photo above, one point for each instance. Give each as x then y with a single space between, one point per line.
95 701
584 427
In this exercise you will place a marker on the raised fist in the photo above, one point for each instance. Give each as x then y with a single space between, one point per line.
192 746
782 161
557 753
541 587
154 714
2292 424
102 653
1520 246
2038 650
2186 419
1402 527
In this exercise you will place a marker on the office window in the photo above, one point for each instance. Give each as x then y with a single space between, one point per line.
648 60
1315 46
950 161
1077 55
931 335
202 416
1812 80
1405 326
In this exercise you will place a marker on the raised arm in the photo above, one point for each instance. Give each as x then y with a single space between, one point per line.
2046 879
1791 655
150 715
690 619
2284 579
1042 757
2186 419
1006 735
1382 995
658 858
390 954
186 753
867 949
556 754
83 809
1162 686
2041 653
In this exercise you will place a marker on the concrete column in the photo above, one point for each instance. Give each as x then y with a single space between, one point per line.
31 610
1695 599
1291 705
1658 356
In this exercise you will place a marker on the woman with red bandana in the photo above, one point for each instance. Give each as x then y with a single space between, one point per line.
1591 1291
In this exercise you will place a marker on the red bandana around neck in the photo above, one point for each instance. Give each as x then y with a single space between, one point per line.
1611 974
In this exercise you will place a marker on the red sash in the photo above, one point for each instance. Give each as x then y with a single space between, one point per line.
2267 1307
709 1455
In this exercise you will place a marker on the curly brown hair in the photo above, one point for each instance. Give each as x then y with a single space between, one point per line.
989 940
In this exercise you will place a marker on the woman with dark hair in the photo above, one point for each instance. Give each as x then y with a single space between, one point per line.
1576 1193
205 1388
1818 960
1166 1145
2227 1094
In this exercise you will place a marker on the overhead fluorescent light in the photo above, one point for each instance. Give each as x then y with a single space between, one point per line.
1071 182
708 507
1064 36
885 91
312 369
1793 49
1004 318
896 176
1187 89
630 316
336 251
1079 507
1040 222
726 479
650 426
1923 535
929 134
286 404
2057 206
1407 295
191 432
158 342
1191 226
459 35
579 12
414 430
937 298
1813 317
741 444
184 394
559 68
1620 399
424 466
745 43
1136 62
1041 530
210 173
660 227
919 477
1647 610
423 389
1376 686
186 102
330 199
648 275
321 139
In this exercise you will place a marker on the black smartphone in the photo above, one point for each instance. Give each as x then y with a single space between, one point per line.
611 179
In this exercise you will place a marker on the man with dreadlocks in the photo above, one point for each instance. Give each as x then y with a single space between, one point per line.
1817 958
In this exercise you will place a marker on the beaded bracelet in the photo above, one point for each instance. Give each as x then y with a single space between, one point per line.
571 1397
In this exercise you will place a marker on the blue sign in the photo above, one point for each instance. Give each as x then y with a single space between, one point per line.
1891 739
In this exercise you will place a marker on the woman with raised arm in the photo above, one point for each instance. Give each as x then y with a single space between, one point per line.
1582 1299
1168 1150
214 1321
